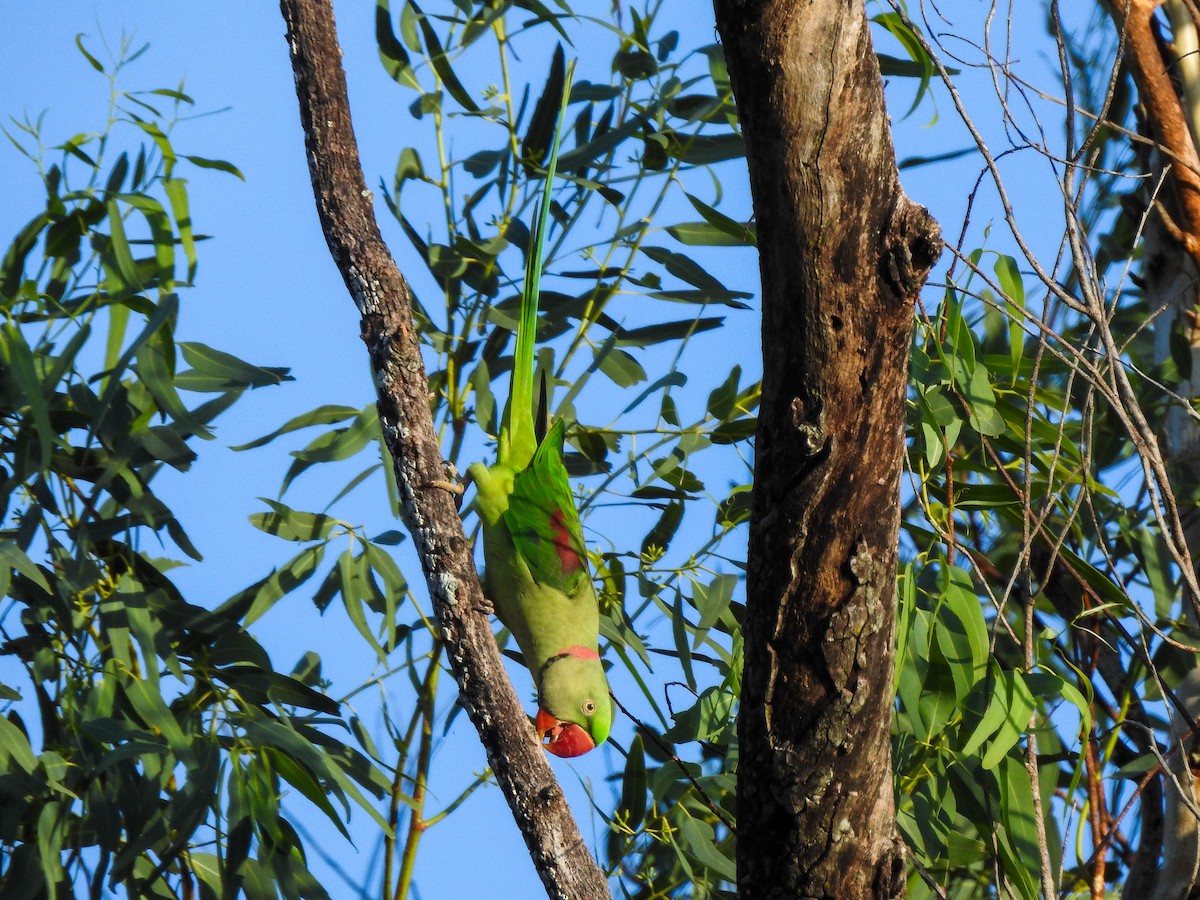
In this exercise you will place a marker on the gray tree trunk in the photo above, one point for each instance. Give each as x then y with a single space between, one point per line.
843 253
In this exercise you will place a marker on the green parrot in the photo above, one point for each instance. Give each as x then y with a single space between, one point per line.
536 567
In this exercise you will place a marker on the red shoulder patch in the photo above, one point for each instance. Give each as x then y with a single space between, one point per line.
567 557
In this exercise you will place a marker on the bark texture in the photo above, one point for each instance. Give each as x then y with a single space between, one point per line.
842 254
382 296
1168 85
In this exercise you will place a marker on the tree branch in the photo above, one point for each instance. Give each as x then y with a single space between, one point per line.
379 290
1164 112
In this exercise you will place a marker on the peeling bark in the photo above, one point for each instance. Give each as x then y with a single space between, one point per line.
379 290
1170 256
1165 116
843 253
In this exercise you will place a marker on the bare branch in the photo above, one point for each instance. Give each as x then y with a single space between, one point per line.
379 290
1165 114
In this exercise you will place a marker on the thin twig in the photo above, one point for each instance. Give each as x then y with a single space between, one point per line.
662 745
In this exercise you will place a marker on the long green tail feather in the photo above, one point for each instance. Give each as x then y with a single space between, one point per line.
521 439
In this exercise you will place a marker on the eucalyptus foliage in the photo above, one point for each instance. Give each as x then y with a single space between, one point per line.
1042 618
148 738
148 741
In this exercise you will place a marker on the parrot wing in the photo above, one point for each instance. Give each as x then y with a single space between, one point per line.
543 521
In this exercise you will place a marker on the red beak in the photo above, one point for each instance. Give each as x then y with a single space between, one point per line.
564 739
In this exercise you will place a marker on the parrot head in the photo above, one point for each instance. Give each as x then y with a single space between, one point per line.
575 712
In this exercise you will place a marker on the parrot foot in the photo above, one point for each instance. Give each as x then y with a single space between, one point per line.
485 606
449 483
456 489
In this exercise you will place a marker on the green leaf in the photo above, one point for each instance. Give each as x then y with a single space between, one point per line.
257 882
938 699
1018 838
14 746
913 162
735 509
924 66
481 163
717 708
699 841
338 444
174 95
632 808
702 234
293 525
635 64
207 868
687 723
381 562
621 368
13 557
322 415
219 164
392 54
1050 688
216 371
961 630
485 402
13 267
705 149
283 581
161 235
1109 592
18 359
92 61
713 599
408 167
905 68
740 233
735 431
985 418
441 64
671 379
308 785
664 529
1153 551
51 830
148 704
601 144
1008 274
176 191
536 144
687 269
648 335
1007 718
354 576
722 401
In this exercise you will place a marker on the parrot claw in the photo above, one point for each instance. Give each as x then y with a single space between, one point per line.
485 606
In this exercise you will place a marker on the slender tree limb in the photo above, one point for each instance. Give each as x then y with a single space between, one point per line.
379 290
1164 112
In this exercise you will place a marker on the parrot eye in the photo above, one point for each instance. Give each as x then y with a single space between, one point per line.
589 707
